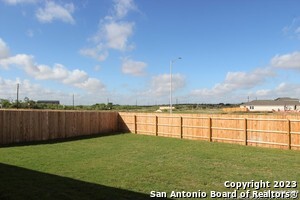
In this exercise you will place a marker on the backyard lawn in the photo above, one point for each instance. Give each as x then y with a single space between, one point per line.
129 166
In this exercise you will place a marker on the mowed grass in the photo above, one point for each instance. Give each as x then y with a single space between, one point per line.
129 166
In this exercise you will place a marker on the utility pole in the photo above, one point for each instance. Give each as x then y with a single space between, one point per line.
171 63
18 86
73 102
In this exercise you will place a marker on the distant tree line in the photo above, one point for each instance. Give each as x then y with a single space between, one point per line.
27 103
30 104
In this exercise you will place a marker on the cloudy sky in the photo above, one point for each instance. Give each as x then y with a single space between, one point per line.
121 50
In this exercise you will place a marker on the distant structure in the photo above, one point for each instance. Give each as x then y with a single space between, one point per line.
166 108
48 102
162 108
279 104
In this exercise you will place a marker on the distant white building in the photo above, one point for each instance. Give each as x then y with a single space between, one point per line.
166 108
162 108
279 104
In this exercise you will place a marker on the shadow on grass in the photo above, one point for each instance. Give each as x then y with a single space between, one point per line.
20 183
60 140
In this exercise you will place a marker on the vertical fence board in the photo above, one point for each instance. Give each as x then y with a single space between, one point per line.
87 123
23 120
53 125
79 123
100 122
245 132
288 134
93 122
1 128
16 133
135 124
62 125
181 128
7 127
45 125
209 129
31 126
36 121
156 126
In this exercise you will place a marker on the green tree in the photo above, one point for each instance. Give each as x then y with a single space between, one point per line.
5 103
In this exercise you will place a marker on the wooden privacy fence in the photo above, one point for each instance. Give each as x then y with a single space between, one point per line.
277 131
268 131
36 125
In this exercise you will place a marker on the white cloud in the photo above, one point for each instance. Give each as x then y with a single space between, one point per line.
117 34
15 2
97 53
8 87
293 29
53 11
4 50
236 81
75 77
287 61
58 72
122 7
263 92
282 90
26 61
135 68
244 80
238 85
113 32
44 72
32 91
92 85
160 84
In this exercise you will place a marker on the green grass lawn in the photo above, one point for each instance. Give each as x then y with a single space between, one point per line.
129 166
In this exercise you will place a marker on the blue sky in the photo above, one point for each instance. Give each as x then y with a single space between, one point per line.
121 50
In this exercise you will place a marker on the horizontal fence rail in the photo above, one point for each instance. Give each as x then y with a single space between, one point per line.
38 125
266 131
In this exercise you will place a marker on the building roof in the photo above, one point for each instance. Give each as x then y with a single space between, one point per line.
48 101
286 99
273 103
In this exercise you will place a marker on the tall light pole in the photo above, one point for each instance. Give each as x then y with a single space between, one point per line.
171 63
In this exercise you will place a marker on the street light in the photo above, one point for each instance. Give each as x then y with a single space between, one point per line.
171 63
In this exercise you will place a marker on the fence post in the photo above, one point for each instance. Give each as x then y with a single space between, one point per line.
245 132
289 133
135 125
181 128
209 130
156 125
